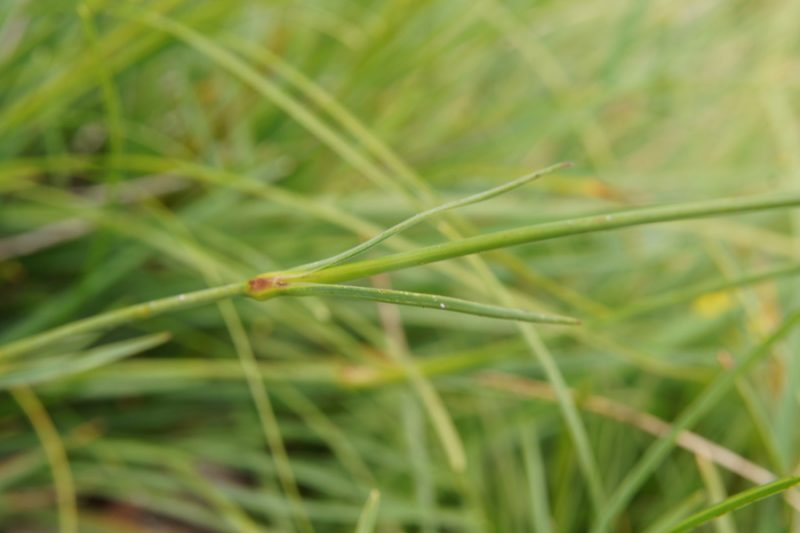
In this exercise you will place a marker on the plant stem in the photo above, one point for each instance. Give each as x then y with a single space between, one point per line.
121 316
735 502
263 284
54 450
541 232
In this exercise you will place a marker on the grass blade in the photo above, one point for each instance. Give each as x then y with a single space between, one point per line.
537 480
735 502
56 454
419 217
46 370
120 316
431 301
660 301
269 90
366 522
700 406
552 230
715 490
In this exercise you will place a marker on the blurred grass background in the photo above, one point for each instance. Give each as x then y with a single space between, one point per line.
155 147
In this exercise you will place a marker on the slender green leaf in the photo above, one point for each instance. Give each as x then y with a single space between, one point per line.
735 502
431 301
419 217
690 416
369 516
42 371
679 511
552 230
120 316
54 451
681 295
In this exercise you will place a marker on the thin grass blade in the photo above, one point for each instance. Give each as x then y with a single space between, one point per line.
369 516
553 230
419 217
62 367
735 502
431 301
54 451
688 293
690 416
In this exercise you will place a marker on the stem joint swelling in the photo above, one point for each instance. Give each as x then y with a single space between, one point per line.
265 286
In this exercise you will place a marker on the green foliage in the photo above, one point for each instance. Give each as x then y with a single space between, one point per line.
735 502
176 174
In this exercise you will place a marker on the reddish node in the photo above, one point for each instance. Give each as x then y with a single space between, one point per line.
260 284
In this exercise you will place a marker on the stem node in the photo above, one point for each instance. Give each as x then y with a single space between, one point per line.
263 286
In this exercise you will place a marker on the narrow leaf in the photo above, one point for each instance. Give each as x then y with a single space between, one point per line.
415 299
61 367
419 217
736 501
550 230
712 394
688 293
369 515
120 316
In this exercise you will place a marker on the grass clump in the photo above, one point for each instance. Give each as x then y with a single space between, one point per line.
608 349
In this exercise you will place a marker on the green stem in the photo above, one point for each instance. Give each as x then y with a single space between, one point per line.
736 501
541 232
262 285
121 316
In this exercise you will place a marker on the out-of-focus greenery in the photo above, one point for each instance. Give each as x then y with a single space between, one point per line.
157 147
